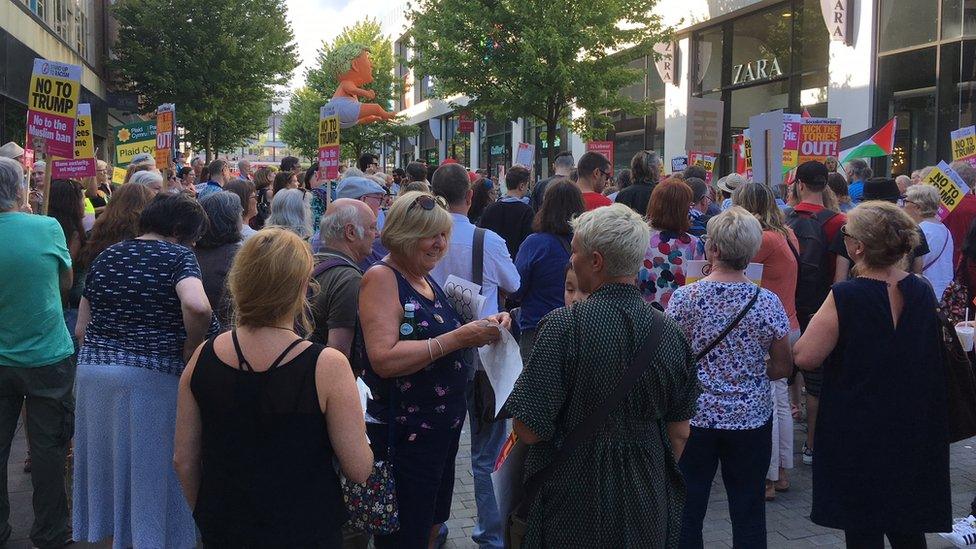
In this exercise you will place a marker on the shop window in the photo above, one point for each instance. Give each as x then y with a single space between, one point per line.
909 95
906 23
709 46
811 48
761 46
813 94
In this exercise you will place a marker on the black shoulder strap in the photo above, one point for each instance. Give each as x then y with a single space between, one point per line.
478 257
281 357
244 364
735 322
641 361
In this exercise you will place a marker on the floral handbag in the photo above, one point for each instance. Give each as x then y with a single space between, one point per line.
373 506
955 298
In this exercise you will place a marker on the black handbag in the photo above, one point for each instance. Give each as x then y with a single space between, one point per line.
960 382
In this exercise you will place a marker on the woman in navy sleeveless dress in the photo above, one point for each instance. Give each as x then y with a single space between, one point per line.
881 461
419 383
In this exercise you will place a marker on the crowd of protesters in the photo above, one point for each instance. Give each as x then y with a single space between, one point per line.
198 344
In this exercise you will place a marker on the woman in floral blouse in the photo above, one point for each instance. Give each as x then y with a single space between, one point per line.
418 384
665 263
733 425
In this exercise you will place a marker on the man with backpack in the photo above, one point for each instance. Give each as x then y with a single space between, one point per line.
815 228
348 228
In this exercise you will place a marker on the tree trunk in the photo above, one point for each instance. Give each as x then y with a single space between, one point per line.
551 141
209 147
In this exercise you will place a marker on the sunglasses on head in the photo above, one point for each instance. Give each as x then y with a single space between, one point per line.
428 202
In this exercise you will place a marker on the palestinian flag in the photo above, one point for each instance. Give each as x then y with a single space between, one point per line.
859 145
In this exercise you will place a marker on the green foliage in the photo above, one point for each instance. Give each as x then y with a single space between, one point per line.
217 60
300 124
536 58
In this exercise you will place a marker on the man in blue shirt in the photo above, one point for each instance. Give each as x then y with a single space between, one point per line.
858 172
498 274
219 176
37 365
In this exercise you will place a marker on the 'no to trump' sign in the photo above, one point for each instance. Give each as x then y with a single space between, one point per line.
951 187
52 105
328 143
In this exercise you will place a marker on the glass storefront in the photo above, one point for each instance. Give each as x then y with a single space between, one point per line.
428 145
926 78
496 146
458 143
775 58
537 134
632 134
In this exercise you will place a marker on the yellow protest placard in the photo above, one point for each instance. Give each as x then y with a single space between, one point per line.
52 105
964 143
118 175
328 131
83 163
951 187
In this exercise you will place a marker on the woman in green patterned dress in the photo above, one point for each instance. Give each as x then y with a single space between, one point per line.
621 487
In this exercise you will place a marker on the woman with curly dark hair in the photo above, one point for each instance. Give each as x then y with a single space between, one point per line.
67 205
119 221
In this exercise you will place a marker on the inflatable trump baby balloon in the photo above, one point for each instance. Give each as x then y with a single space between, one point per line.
351 66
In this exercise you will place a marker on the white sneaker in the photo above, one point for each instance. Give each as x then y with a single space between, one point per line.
807 455
963 532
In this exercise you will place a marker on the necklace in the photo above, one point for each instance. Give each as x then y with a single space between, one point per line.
885 282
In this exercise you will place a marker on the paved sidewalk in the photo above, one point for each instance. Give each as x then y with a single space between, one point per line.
787 518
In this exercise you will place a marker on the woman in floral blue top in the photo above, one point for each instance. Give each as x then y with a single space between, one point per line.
733 422
418 384
665 263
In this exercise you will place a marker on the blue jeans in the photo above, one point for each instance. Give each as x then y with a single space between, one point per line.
744 456
487 440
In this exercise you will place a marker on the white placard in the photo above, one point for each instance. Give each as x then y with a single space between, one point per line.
465 296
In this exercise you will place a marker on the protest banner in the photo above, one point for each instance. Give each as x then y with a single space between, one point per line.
704 125
165 133
706 161
328 143
791 140
818 139
83 162
118 175
951 187
679 164
52 106
132 139
603 147
525 155
766 147
964 143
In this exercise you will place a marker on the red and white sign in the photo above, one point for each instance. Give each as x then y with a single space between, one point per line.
83 163
603 147
465 122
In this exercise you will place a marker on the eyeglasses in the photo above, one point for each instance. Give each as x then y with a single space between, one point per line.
608 175
843 231
427 202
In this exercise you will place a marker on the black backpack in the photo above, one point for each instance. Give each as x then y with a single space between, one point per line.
813 273
357 351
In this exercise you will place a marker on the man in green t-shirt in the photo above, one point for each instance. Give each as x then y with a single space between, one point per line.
37 365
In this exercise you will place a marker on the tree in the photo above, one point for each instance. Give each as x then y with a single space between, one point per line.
300 123
217 60
536 58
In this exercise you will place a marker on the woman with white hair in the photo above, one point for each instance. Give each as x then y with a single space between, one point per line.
610 364
732 325
290 211
149 178
921 203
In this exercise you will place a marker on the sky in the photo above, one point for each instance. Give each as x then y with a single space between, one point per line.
315 21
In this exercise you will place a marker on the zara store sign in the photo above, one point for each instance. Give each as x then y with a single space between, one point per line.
760 69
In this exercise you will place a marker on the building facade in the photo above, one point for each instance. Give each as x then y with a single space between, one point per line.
72 31
914 60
